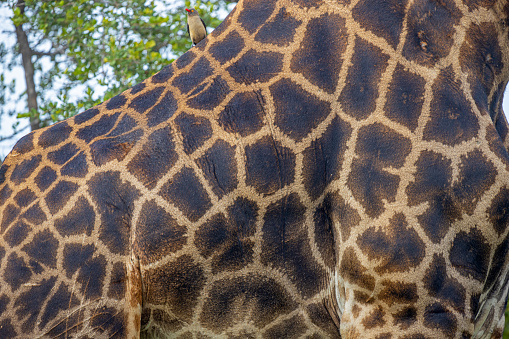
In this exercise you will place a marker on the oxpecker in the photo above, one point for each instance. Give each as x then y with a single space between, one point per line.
195 26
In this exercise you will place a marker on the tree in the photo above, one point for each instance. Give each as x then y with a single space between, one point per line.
76 54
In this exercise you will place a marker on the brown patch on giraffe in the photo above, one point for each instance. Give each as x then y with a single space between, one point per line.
255 12
117 285
185 191
405 97
247 298
436 316
324 157
79 221
297 111
43 248
85 116
269 165
495 142
63 154
45 178
442 286
164 75
25 197
210 94
142 103
280 30
227 48
361 90
114 201
34 214
109 321
116 102
405 318
137 88
195 130
23 170
496 266
363 298
77 167
396 246
59 196
345 216
481 57
477 174
256 67
396 292
452 119
16 233
55 134
157 234
433 180
9 215
243 114
227 241
430 31
114 148
325 41
356 310
7 330
24 145
470 254
383 18
201 71
148 166
28 303
99 128
176 284
286 245
377 147
5 192
163 111
219 167
354 272
17 272
185 59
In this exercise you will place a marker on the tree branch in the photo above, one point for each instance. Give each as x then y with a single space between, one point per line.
50 54
28 66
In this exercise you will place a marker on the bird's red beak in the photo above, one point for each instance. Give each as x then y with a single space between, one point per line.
188 10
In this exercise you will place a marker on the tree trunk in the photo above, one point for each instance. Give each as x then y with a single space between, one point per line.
28 66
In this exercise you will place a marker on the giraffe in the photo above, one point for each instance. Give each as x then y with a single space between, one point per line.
313 168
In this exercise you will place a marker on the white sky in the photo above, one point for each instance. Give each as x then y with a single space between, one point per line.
6 121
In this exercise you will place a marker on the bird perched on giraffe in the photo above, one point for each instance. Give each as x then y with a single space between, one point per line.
195 26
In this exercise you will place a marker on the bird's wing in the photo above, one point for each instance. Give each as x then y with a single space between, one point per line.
188 29
204 26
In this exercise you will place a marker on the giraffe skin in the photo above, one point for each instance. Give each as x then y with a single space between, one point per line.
317 169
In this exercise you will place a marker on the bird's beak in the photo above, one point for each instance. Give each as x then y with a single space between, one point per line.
188 10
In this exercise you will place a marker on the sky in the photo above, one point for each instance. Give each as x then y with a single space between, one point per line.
6 121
